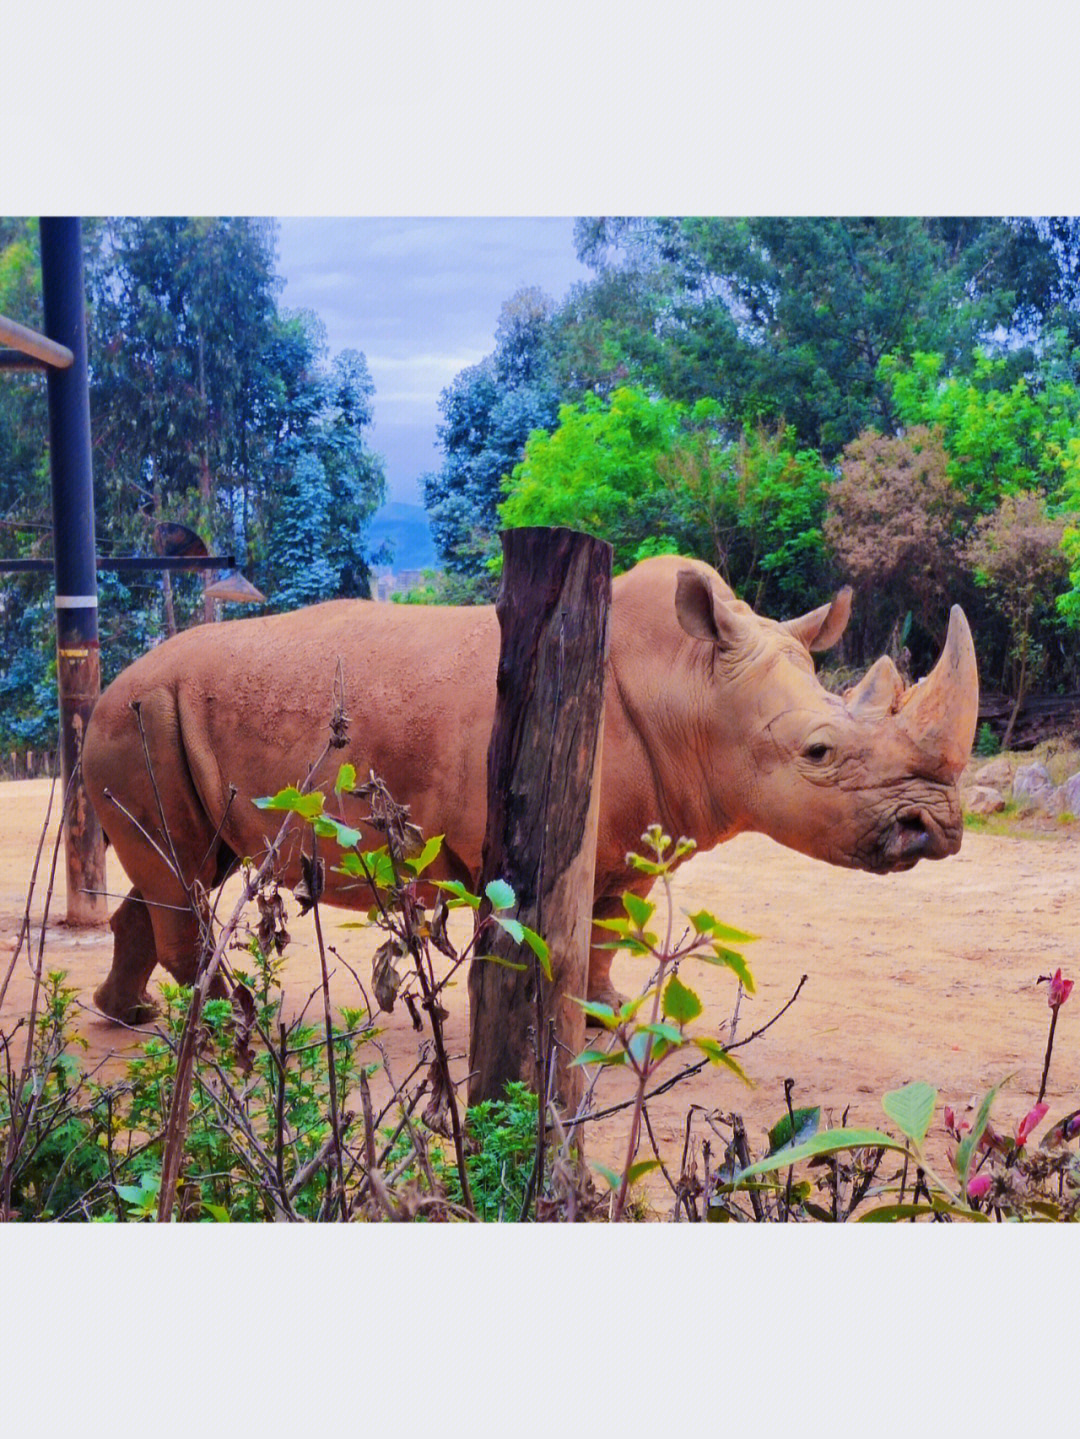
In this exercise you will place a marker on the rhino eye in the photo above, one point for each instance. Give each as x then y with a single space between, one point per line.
817 753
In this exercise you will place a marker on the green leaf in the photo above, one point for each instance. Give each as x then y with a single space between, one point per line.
132 1193
719 1055
617 926
892 1213
966 1148
639 1170
639 910
732 959
498 959
307 806
664 1031
833 1141
679 1003
427 855
640 1046
218 1212
326 827
645 866
346 779
613 1179
500 894
630 1007
460 895
597 1056
514 928
806 1124
602 1013
911 1109
706 923
540 948
375 865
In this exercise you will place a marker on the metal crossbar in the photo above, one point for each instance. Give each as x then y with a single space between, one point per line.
127 562
29 345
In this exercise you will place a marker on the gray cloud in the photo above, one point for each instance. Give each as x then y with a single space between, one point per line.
421 299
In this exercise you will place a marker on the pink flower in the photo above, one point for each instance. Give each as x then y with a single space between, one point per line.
1060 989
979 1186
1028 1123
951 1126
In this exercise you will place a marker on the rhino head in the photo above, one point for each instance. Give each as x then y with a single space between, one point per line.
867 779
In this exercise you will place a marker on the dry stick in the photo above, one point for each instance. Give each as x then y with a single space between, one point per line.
742 1149
136 707
430 1003
375 1179
544 1058
176 1126
335 1118
279 1109
690 1069
691 1214
655 1149
19 1129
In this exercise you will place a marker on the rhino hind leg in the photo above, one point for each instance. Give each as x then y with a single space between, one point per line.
145 935
122 994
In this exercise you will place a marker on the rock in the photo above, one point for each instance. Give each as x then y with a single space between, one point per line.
997 774
1032 786
983 799
1070 794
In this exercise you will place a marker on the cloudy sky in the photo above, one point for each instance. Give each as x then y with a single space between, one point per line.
421 299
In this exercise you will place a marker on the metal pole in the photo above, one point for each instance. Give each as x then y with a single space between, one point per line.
78 665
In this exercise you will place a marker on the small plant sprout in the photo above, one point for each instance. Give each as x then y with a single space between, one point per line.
1057 995
671 1005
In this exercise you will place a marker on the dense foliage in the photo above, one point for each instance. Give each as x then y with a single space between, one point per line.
211 408
812 401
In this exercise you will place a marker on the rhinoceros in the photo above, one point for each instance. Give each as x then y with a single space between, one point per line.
714 723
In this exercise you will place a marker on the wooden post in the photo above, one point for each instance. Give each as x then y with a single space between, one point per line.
543 805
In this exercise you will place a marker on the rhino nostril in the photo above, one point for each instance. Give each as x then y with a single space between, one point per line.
909 837
912 822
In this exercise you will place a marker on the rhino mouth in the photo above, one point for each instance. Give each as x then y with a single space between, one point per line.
914 834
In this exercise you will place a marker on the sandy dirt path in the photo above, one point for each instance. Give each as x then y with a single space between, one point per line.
928 975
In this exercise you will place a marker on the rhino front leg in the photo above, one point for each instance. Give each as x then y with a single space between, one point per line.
601 988
122 995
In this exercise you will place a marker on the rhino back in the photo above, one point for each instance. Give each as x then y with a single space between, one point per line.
254 698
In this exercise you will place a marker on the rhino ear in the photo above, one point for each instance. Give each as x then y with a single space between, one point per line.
821 628
703 614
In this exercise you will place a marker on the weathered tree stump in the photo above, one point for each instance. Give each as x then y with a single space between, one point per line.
543 806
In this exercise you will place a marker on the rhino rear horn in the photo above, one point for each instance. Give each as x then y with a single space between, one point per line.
821 628
880 692
940 713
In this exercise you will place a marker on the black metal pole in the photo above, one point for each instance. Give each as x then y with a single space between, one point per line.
78 663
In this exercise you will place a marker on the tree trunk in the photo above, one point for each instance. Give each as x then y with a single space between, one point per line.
543 807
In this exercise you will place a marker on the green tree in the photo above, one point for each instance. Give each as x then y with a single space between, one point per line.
1015 553
489 411
1002 434
653 476
208 407
789 318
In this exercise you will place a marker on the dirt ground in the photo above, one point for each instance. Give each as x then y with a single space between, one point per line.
928 975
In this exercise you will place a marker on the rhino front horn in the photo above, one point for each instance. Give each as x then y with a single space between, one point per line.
940 712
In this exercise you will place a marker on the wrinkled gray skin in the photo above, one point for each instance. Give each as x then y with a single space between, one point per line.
714 723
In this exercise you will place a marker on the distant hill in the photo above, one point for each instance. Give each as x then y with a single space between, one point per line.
406 527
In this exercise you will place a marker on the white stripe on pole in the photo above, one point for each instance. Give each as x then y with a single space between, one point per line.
76 602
